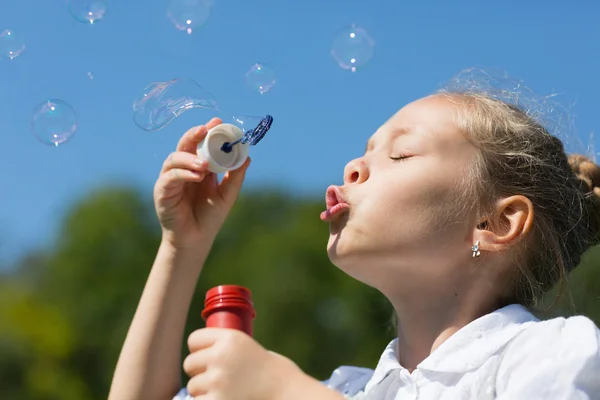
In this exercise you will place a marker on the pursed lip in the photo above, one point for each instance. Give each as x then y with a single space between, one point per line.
333 196
335 202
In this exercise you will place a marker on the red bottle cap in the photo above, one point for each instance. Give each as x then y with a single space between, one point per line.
229 306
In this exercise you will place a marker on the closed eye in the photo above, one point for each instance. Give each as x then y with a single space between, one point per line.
399 158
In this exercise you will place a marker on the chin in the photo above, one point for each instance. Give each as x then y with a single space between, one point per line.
358 257
336 245
344 253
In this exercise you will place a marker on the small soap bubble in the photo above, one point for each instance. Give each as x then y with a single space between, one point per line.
187 15
591 149
90 76
352 48
260 78
54 122
11 44
87 11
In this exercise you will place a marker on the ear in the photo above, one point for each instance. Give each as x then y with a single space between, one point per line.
510 222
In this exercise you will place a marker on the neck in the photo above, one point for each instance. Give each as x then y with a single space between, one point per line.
424 326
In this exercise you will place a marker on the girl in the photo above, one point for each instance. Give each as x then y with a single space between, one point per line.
463 211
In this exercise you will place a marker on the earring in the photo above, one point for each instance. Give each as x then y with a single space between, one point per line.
475 249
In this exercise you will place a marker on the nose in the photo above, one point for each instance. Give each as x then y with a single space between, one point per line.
356 171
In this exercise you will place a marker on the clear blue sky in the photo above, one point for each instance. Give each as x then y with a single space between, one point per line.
323 114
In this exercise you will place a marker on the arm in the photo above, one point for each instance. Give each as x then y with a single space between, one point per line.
306 387
150 360
191 205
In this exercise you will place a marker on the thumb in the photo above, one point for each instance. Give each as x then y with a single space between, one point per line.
231 184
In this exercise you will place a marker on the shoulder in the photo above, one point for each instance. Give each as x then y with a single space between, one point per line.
558 337
557 356
349 380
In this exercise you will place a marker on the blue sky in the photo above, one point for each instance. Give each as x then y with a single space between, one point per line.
323 114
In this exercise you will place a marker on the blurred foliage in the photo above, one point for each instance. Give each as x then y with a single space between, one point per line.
65 312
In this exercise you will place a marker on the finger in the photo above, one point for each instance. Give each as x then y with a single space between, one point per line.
232 182
207 396
196 363
200 386
178 176
204 338
183 160
212 183
197 388
189 141
208 384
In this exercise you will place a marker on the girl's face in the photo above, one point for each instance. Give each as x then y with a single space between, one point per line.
399 222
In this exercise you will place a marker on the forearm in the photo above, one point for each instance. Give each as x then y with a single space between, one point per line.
150 361
306 387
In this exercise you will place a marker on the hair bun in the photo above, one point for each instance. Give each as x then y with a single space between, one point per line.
587 171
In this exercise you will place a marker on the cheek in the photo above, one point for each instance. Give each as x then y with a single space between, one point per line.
393 215
406 212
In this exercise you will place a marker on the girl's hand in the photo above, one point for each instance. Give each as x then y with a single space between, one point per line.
190 202
229 364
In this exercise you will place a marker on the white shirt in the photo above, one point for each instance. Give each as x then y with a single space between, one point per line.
506 355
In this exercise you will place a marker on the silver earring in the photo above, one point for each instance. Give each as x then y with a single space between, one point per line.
475 249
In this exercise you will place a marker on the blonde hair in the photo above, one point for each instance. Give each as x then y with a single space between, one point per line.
517 155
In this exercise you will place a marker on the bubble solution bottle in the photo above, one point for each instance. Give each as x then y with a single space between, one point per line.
229 306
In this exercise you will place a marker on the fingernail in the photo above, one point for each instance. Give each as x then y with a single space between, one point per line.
200 162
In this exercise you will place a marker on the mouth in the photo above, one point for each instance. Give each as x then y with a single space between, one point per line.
335 203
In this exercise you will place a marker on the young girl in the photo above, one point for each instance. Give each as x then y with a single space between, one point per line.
463 211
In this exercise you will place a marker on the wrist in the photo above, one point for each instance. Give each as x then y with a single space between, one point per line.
184 257
192 244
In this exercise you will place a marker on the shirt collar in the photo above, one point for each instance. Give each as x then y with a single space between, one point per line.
468 348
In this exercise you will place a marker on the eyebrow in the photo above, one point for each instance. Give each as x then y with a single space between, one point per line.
396 133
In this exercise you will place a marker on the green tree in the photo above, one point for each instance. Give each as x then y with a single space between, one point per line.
581 295
69 310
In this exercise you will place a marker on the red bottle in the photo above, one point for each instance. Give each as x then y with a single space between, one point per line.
229 306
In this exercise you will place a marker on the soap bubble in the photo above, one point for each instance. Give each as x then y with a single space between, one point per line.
161 102
11 44
552 110
591 149
260 78
352 48
87 11
54 122
188 15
